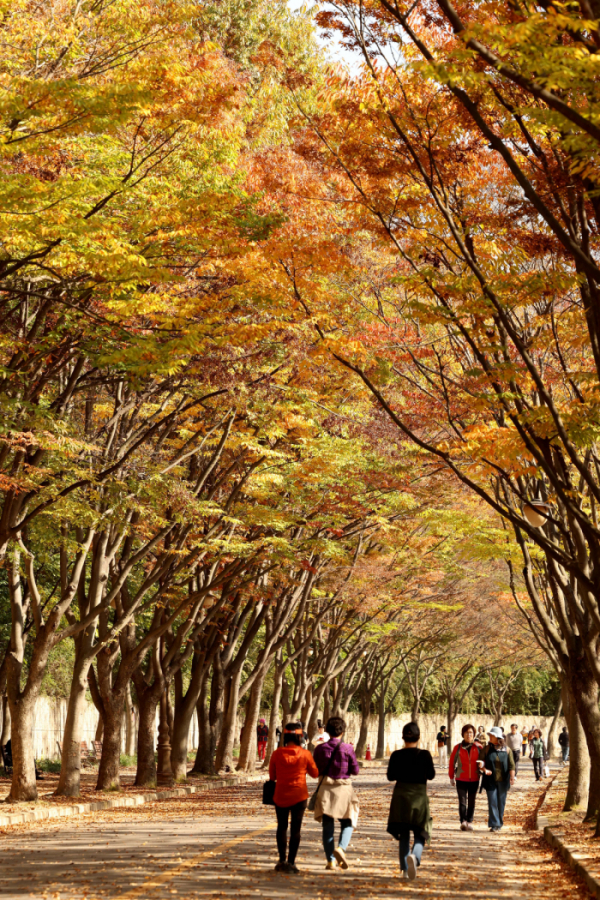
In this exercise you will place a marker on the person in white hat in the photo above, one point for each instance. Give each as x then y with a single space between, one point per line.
498 767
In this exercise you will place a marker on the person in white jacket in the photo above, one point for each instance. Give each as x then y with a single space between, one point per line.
321 737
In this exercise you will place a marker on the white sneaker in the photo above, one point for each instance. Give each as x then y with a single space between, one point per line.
411 862
404 876
470 826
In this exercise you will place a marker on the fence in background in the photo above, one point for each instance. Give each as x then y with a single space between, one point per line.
51 714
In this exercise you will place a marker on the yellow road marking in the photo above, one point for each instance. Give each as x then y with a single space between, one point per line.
159 880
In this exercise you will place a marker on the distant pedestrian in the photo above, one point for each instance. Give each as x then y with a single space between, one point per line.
262 735
525 744
498 767
539 754
514 742
321 737
464 772
288 767
442 742
411 768
481 736
304 734
563 740
336 799
530 738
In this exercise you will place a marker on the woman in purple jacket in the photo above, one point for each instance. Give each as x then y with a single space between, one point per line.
336 799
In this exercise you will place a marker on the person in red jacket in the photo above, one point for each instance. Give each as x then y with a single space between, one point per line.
464 772
288 768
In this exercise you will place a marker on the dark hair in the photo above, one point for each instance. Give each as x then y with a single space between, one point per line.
442 727
411 733
319 723
335 726
465 728
292 734
514 725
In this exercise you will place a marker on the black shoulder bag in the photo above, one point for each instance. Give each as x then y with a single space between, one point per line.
269 792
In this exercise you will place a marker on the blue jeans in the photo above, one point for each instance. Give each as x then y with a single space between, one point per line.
404 847
565 753
496 802
346 830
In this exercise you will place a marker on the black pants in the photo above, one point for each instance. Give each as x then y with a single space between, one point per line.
517 756
283 813
467 794
538 767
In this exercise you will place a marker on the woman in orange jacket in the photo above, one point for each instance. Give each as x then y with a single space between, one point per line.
288 768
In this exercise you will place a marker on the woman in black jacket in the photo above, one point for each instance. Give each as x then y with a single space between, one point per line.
498 767
411 769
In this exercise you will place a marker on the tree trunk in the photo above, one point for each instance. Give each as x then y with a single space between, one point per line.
108 773
185 706
277 689
145 775
451 721
248 743
224 755
579 766
179 740
99 729
204 757
585 693
380 752
69 782
218 700
5 723
553 746
498 708
365 719
23 786
415 710
22 702
327 704
130 729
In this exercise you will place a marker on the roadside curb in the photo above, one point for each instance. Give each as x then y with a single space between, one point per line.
553 835
79 809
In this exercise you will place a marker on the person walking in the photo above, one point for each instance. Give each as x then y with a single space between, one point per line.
321 737
498 767
563 740
525 742
539 754
262 735
336 798
481 737
288 768
442 742
514 742
411 768
464 772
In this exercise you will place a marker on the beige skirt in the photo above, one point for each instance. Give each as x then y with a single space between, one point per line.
337 799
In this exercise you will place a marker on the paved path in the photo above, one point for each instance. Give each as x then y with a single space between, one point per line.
222 845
